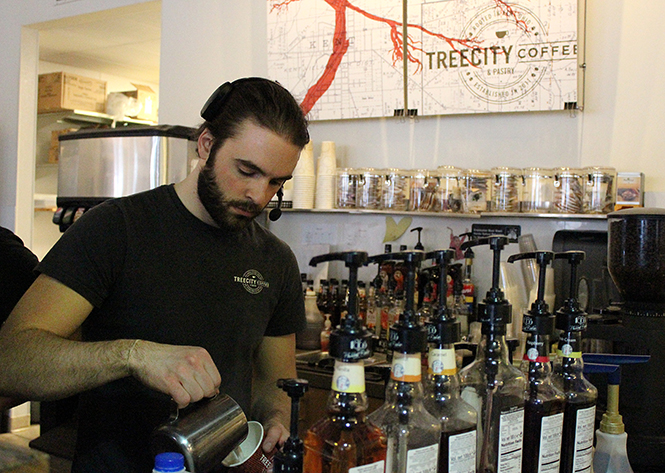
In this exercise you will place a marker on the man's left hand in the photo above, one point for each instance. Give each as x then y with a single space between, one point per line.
275 436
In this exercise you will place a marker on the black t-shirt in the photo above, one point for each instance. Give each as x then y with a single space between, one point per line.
17 264
153 271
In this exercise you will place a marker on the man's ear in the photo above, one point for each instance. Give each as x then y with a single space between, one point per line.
204 144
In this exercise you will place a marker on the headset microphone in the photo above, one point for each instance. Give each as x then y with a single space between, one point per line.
277 211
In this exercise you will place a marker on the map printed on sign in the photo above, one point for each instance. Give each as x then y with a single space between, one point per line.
344 58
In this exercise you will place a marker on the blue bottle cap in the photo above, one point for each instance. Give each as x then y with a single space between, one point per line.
169 462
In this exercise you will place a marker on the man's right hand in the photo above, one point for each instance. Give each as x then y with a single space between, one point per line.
185 373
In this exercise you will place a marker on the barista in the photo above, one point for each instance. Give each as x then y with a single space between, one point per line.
178 292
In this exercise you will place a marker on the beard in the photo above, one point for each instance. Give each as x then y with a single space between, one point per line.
218 207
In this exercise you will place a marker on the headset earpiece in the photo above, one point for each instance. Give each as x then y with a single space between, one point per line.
215 102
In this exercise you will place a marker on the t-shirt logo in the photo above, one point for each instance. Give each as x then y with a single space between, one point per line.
252 281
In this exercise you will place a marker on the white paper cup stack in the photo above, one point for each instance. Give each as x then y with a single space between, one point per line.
304 180
326 176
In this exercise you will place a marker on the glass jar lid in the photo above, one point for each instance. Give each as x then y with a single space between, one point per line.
567 172
449 171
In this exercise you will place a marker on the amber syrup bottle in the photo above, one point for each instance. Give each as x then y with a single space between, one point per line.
491 384
345 440
412 433
579 415
459 308
459 421
543 412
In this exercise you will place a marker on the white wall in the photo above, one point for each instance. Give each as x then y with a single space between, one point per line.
205 42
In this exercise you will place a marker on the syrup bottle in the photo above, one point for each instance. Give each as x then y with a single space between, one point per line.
460 308
491 384
579 414
345 439
543 416
458 446
290 458
413 434
469 285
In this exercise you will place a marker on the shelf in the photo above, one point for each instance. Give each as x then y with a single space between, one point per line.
84 117
45 202
451 214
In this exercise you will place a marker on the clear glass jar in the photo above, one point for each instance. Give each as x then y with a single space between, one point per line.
475 189
568 191
448 194
505 190
396 190
370 189
422 190
345 190
537 190
599 189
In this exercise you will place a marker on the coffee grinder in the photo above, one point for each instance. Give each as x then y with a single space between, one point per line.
636 326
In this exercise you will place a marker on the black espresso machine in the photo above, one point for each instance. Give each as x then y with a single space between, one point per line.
632 322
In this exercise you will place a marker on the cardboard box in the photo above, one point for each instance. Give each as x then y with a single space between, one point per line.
148 100
54 148
64 91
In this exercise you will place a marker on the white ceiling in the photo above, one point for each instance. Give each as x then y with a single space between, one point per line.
122 42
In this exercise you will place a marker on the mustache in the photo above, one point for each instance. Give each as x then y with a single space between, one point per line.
245 205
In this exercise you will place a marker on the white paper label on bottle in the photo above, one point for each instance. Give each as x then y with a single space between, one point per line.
406 367
551 431
584 426
377 467
511 433
422 460
349 377
462 453
441 361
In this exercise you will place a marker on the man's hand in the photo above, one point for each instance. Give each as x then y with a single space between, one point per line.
276 435
185 373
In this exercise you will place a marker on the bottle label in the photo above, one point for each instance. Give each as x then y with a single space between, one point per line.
422 460
441 361
349 377
511 433
406 367
462 452
551 432
566 350
584 425
377 467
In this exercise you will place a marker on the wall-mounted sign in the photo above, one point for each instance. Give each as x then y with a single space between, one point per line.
344 59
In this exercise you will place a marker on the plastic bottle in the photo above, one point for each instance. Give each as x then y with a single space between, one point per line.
169 462
581 396
309 338
345 439
413 434
611 455
459 421
460 308
491 384
325 334
543 411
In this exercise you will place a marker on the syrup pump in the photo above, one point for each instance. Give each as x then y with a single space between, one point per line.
491 384
579 414
344 439
458 419
412 433
290 458
543 412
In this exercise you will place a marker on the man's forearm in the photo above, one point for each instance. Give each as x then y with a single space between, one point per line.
271 404
39 365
